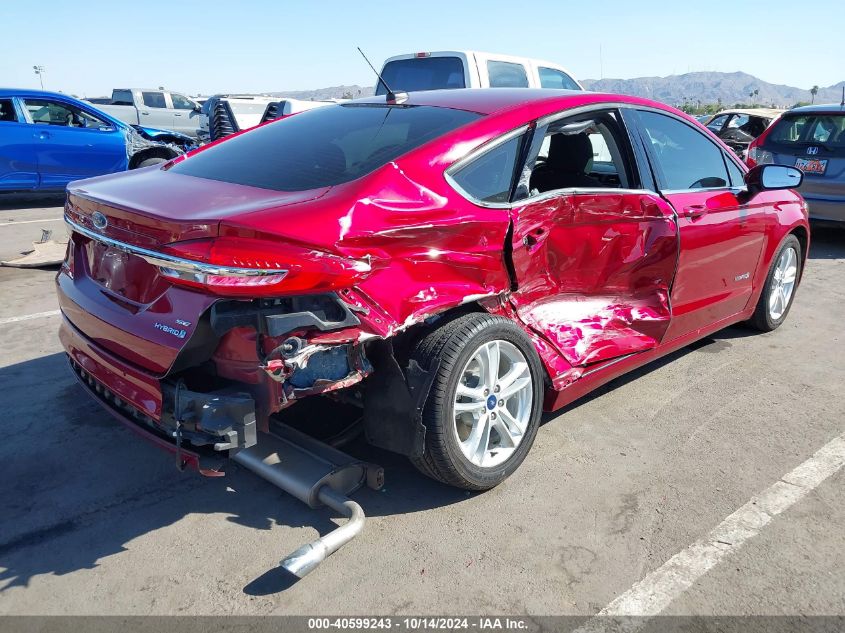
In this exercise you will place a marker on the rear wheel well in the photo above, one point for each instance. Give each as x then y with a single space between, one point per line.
153 152
803 239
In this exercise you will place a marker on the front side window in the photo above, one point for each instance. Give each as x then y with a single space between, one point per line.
153 99
422 73
489 177
686 159
180 102
506 75
551 78
48 112
582 152
7 111
322 147
736 174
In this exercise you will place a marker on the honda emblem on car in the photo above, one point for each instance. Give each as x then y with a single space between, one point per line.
99 220
812 150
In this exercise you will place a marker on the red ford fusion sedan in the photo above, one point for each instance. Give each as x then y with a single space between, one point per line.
451 262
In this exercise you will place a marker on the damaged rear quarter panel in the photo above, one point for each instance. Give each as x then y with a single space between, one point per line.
428 248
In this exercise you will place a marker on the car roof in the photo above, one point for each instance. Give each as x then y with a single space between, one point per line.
826 108
27 92
490 100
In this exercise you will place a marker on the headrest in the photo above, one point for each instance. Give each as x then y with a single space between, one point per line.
570 152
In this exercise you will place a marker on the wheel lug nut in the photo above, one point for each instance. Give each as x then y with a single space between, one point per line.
496 388
486 392
501 403
493 415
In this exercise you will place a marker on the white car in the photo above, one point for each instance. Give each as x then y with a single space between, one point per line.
471 69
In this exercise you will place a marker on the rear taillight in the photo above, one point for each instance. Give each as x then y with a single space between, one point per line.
68 264
756 155
240 266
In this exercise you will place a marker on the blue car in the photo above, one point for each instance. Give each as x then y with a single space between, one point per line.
48 140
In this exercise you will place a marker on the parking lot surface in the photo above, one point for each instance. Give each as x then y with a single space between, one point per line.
97 521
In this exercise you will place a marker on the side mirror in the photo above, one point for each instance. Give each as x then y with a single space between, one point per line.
197 107
771 177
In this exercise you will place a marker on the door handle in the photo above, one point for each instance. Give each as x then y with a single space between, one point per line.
695 210
145 113
177 114
41 135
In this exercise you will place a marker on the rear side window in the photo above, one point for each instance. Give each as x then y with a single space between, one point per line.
506 75
551 78
422 73
686 159
153 99
7 111
717 123
322 147
826 130
122 97
489 177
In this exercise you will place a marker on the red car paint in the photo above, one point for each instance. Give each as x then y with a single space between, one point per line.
603 282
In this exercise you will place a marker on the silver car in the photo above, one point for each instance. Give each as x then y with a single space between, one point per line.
811 138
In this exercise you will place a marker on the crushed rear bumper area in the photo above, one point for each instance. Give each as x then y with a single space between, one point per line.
197 428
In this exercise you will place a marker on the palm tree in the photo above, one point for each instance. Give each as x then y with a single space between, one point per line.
813 92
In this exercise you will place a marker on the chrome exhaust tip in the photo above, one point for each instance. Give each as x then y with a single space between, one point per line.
310 471
306 559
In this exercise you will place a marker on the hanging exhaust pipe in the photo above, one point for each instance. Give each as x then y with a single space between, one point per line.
318 475
304 560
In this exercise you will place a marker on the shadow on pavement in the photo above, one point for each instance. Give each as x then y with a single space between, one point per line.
23 201
827 242
78 487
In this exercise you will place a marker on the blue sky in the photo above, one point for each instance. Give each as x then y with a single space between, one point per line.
89 46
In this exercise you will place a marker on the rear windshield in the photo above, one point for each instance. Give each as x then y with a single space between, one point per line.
824 130
322 147
422 73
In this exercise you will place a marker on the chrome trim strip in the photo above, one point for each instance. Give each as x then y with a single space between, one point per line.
170 261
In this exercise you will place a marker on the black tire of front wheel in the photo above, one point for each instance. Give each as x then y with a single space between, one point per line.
762 318
451 344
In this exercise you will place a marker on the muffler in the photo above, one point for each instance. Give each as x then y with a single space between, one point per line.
318 475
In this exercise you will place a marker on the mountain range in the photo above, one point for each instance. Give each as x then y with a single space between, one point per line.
706 87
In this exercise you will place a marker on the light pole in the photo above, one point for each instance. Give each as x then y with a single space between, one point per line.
39 70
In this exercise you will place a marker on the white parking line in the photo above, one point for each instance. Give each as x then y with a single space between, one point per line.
14 222
27 317
651 595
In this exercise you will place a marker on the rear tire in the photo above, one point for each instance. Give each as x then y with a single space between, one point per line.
781 284
149 162
486 440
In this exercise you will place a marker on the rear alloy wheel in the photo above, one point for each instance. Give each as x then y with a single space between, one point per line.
777 296
484 406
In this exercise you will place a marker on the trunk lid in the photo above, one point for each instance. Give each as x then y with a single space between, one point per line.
118 299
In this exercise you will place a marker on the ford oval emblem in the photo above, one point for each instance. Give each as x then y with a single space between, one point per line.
99 220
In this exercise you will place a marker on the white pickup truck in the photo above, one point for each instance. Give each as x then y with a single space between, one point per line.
160 109
471 69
